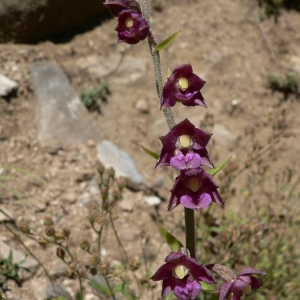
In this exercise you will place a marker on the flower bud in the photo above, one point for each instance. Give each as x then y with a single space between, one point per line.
134 265
66 232
100 168
71 274
60 252
103 268
44 242
106 179
49 231
92 217
115 193
95 260
48 221
59 235
24 227
101 219
104 193
85 245
111 171
121 183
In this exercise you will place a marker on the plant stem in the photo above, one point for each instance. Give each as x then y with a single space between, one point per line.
30 252
157 66
109 287
189 214
122 250
190 233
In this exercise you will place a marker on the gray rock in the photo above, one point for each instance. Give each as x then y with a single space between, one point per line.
6 85
27 269
112 156
61 116
28 21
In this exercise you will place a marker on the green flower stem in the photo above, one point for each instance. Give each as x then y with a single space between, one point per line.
189 214
190 233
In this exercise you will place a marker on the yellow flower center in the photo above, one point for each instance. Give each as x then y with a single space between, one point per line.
183 83
194 184
180 271
129 22
185 141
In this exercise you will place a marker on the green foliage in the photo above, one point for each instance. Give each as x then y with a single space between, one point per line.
92 98
9 269
171 240
167 42
122 288
219 167
288 84
268 243
150 152
274 7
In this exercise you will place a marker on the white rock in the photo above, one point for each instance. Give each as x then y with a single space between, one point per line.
6 85
152 200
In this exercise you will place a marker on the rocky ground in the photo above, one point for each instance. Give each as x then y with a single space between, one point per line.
227 45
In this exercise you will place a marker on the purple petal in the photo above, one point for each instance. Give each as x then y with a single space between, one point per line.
188 161
250 271
224 290
255 283
241 283
187 290
165 271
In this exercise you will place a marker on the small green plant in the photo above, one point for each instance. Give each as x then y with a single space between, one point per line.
274 7
288 84
92 98
9 269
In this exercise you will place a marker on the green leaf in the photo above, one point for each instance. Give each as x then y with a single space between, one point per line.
150 152
100 288
167 42
171 240
123 289
206 286
218 168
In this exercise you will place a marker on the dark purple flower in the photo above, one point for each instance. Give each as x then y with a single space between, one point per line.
194 189
132 27
236 286
184 139
183 86
182 274
116 6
